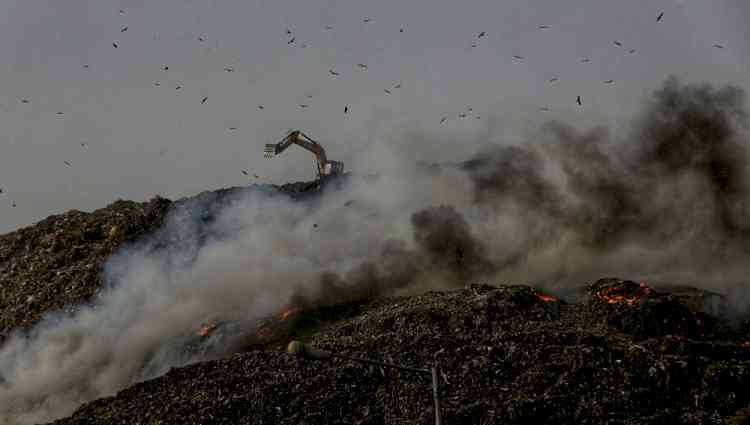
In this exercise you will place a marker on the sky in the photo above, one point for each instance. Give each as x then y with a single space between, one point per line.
68 95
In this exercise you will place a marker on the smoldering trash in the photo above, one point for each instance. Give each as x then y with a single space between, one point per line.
573 279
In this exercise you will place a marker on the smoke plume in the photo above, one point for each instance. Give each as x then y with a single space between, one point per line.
667 203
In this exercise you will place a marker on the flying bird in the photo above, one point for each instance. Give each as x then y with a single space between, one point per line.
462 115
288 31
84 144
397 86
229 69
1 190
658 18
609 81
67 163
24 100
579 101
718 46
244 172
303 105
585 60
401 30
115 45
201 38
387 91
165 68
333 72
232 128
361 65
260 107
366 20
329 27
543 27
442 120
517 57
13 204
631 51
309 96
124 29
291 41
481 34
553 79
346 109
85 65
544 108
122 12
204 100
59 113
178 86
256 176
617 43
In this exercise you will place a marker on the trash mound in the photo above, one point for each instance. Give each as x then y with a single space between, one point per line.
508 354
56 263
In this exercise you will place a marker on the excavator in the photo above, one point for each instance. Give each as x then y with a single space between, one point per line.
325 167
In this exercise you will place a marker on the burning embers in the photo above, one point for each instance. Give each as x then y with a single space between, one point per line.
265 329
616 291
544 297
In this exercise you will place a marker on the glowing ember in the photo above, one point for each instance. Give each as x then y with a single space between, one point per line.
745 344
206 329
289 312
624 293
544 297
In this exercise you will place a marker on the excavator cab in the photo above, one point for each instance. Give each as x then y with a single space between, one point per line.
325 168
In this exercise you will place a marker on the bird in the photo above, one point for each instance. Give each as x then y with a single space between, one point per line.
366 20
1 190
473 45
85 66
288 31
59 113
631 51
309 96
518 57
462 115
84 144
387 91
361 65
469 108
244 172
122 12
201 38
329 27
165 68
401 30
204 100
346 109
256 176
543 27
115 45
481 34
67 163
13 204
617 43
291 41
178 86
658 18
124 29
579 101
718 46
333 72
260 107
303 105
315 225
232 128
229 69
544 108
397 86
609 81
24 100
442 120
553 79
585 60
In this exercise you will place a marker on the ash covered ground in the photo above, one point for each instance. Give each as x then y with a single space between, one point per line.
99 310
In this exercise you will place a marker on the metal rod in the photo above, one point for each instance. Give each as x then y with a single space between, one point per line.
438 419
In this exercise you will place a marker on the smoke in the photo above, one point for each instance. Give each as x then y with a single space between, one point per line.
667 203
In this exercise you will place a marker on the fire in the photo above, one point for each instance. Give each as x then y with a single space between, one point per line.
544 297
206 329
633 296
745 344
289 312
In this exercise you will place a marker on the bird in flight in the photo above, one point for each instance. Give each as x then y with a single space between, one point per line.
544 108
204 100
244 172
115 45
585 60
303 105
59 113
579 101
366 20
124 29
229 69
617 43
387 91
67 163
165 68
291 41
157 84
543 27
361 65
718 46
462 115
631 51
553 79
397 86
481 34
442 120
346 109
517 57
260 107
178 86
661 15
329 27
23 100
333 72
609 81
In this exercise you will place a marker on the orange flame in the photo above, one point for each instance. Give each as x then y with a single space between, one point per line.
289 312
642 292
206 329
745 344
544 297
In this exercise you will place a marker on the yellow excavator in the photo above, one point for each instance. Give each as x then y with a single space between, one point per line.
325 167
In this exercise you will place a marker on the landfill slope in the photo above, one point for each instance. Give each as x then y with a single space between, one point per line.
507 355
55 265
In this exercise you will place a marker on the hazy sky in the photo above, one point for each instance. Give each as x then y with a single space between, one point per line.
142 139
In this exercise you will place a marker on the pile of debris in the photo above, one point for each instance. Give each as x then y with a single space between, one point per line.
507 354
56 263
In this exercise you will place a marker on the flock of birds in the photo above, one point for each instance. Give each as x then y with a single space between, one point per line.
293 40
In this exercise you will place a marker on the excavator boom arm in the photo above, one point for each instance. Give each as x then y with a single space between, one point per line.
298 138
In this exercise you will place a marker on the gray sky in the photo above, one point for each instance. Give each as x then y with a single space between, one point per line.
125 120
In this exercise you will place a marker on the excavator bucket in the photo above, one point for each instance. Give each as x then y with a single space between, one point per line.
269 151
